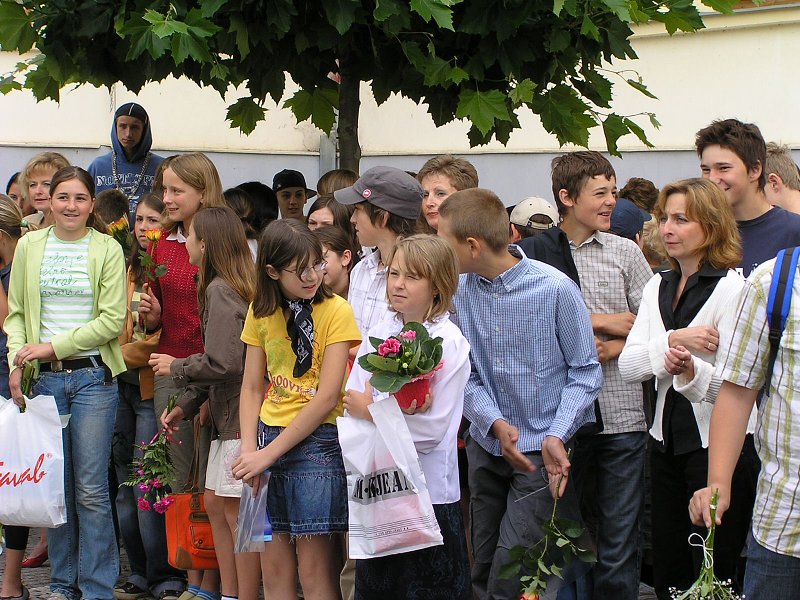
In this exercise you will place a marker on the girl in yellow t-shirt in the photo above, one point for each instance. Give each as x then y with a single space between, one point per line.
299 334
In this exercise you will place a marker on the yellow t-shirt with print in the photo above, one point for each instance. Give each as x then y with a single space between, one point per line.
333 322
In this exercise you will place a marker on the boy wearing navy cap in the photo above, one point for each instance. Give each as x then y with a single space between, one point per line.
290 188
627 220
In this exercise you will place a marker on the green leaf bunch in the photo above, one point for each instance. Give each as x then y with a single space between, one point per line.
707 586
417 357
152 269
556 549
481 61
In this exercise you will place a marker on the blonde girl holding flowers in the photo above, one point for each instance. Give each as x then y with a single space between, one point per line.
190 182
422 280
300 335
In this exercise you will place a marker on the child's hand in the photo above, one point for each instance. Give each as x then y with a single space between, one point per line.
251 465
170 421
150 307
161 363
356 403
413 408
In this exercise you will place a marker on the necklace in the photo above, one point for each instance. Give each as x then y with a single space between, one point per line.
131 190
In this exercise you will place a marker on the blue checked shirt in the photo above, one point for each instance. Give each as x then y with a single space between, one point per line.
533 357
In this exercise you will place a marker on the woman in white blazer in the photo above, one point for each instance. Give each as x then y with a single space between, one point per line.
675 339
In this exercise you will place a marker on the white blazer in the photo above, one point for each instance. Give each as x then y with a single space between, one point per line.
648 342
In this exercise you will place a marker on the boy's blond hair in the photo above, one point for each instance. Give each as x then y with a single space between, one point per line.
477 213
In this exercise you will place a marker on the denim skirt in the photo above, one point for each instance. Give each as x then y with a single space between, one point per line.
307 485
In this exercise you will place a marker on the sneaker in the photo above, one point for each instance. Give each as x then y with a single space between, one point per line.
129 591
186 595
171 595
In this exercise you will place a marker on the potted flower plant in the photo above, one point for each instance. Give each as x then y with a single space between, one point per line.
403 365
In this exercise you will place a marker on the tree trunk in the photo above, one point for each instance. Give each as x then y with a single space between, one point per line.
347 131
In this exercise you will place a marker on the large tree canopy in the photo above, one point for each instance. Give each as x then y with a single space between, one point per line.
465 59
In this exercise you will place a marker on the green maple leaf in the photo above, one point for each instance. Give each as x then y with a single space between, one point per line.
209 8
619 8
319 105
7 83
245 114
438 10
385 9
522 92
340 13
142 39
15 27
637 131
239 27
482 108
638 85
614 128
564 114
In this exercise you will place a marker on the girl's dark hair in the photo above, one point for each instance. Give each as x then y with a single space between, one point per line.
338 240
265 203
242 204
280 243
341 213
227 254
150 200
14 179
68 174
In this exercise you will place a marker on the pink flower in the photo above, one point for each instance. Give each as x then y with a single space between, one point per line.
139 471
159 507
144 487
156 483
390 346
408 336
168 501
144 504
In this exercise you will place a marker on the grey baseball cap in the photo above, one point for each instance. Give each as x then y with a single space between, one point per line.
391 189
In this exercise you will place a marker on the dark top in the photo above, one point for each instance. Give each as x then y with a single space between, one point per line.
763 236
551 246
681 435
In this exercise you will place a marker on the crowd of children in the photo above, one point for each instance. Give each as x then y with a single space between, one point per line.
561 351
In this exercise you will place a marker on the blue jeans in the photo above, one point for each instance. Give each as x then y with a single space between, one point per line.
143 531
84 557
769 575
609 473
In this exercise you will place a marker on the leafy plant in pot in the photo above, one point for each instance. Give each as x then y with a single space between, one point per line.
404 364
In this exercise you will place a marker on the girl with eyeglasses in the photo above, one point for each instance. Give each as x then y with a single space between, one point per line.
300 335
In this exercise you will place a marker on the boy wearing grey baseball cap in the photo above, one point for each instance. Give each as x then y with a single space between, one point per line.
387 204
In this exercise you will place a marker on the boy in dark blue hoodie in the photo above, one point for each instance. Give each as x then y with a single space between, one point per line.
130 167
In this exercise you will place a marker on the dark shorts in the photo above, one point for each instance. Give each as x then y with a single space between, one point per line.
307 485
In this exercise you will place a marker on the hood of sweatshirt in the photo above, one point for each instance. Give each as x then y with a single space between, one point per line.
132 109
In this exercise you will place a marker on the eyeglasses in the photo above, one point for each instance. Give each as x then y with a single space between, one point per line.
308 271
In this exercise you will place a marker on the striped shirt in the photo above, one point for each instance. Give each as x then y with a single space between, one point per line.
613 272
776 515
367 292
65 288
533 357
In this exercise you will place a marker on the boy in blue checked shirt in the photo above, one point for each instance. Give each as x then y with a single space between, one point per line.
535 376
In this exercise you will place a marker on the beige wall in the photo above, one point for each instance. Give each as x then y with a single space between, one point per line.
742 66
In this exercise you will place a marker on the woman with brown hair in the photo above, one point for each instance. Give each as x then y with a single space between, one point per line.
675 339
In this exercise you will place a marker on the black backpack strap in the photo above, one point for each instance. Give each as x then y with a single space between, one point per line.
778 304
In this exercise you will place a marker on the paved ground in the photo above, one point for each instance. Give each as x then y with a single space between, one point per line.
38 580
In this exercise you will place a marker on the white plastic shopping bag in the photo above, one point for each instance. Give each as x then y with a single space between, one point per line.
31 464
389 505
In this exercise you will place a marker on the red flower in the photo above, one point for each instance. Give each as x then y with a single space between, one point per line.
390 346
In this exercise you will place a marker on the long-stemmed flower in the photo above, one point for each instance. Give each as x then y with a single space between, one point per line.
152 472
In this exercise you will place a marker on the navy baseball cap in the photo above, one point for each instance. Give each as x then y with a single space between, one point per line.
627 219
